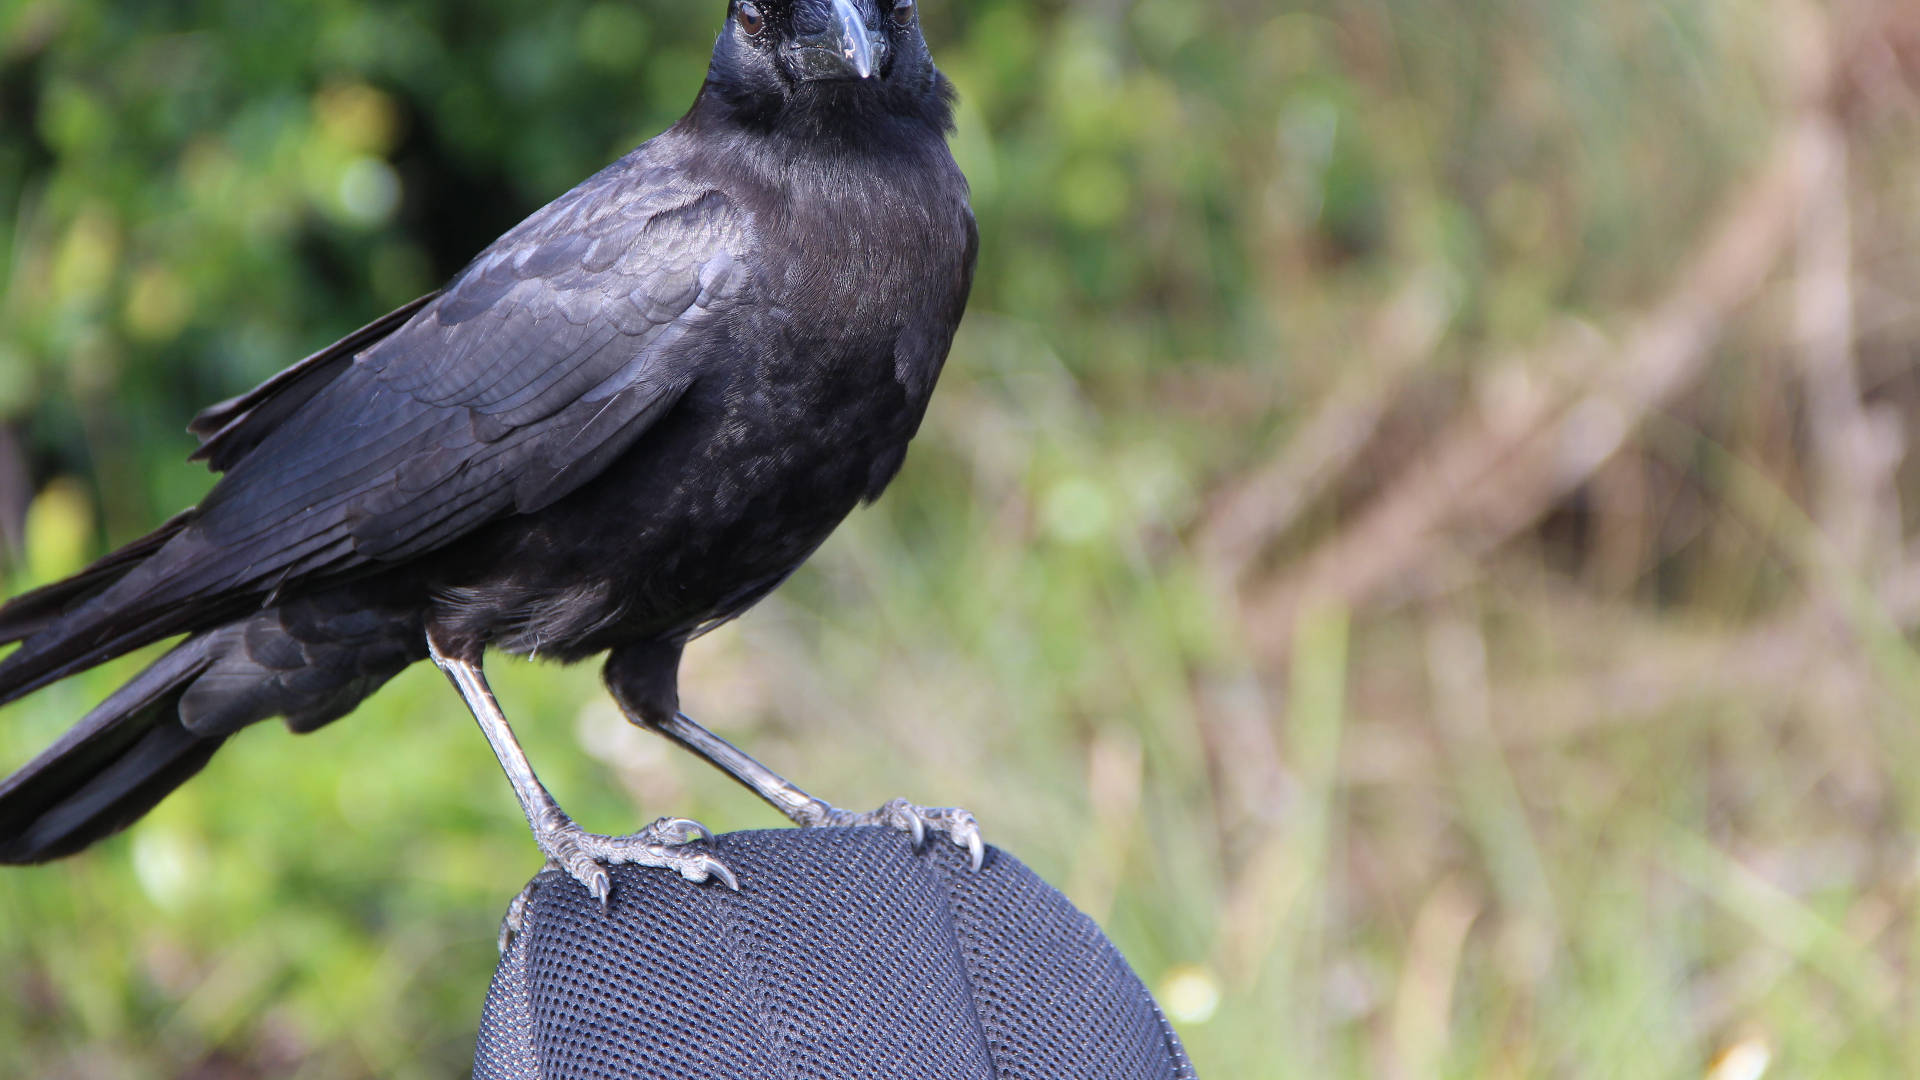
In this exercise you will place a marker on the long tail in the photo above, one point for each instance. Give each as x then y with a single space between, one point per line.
112 767
125 755
308 661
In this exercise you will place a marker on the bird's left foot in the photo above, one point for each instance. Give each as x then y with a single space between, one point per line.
915 821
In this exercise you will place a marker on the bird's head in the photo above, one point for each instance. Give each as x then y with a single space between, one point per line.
822 63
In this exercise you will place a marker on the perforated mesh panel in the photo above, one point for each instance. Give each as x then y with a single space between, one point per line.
845 956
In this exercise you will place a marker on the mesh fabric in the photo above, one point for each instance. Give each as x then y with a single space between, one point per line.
845 956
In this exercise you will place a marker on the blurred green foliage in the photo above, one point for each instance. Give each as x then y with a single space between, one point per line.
1467 850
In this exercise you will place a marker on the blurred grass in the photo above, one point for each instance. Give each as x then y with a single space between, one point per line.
1611 773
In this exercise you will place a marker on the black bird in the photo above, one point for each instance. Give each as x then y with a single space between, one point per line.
622 424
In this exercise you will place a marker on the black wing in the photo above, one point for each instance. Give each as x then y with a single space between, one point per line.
537 366
541 363
230 429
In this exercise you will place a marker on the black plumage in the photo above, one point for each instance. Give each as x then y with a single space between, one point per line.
624 422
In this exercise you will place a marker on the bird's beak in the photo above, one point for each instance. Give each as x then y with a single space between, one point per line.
844 50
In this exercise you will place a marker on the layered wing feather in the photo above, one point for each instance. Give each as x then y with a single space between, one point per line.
537 366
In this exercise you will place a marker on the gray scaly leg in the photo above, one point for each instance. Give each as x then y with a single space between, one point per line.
668 842
807 810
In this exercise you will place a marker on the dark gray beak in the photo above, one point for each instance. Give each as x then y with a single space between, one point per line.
846 49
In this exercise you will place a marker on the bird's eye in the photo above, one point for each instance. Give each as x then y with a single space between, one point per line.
903 13
749 17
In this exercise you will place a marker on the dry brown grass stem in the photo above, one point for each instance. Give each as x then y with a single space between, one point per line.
1255 510
1547 424
1501 465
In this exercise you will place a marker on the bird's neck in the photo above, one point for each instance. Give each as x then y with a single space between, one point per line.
835 119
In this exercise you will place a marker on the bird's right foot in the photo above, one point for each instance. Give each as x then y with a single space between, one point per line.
675 844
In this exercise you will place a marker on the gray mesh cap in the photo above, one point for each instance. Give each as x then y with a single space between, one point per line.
845 956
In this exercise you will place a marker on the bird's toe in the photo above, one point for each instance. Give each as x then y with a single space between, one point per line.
675 830
958 824
670 843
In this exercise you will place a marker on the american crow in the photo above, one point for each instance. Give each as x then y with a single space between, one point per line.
622 424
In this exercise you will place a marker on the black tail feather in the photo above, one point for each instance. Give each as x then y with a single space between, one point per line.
31 612
111 768
40 663
145 592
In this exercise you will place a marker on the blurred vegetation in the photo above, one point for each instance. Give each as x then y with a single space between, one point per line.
1416 535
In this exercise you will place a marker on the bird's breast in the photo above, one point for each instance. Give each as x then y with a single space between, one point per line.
802 404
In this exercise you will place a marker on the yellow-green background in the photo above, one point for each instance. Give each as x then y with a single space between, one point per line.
1561 729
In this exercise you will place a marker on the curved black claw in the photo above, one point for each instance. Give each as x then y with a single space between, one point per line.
667 843
915 821
672 834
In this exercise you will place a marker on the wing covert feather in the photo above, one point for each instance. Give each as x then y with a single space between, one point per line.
535 368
